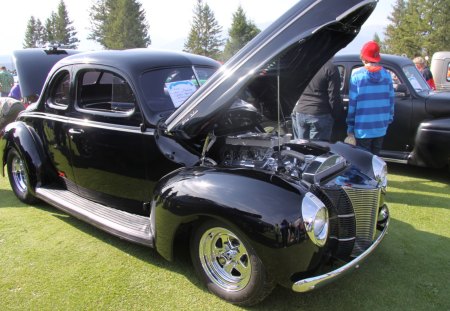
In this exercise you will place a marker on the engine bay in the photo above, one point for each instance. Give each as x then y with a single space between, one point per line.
295 159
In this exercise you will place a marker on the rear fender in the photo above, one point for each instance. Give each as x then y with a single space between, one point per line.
22 137
432 144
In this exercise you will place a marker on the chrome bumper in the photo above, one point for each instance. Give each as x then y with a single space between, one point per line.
320 280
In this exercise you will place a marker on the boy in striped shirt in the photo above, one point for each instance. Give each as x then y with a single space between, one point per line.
371 101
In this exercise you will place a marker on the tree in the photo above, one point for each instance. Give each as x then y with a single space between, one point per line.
40 33
204 36
50 28
33 34
30 34
241 32
119 24
418 27
58 28
64 32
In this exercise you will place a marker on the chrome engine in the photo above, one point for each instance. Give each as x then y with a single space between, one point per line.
279 154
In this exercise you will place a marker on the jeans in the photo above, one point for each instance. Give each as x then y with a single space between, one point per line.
370 144
306 126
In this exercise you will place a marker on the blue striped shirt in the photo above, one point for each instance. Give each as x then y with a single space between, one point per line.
371 103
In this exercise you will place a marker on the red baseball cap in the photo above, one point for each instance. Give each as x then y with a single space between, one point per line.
371 52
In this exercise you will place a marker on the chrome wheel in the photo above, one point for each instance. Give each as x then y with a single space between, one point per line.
19 174
225 259
19 177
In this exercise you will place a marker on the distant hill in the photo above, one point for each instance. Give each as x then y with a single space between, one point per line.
6 60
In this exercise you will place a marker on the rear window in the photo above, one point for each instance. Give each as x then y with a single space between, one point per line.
104 91
168 88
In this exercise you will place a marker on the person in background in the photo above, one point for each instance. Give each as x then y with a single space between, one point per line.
15 92
371 101
313 115
425 71
6 81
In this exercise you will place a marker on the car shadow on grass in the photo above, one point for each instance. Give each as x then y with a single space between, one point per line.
434 174
8 199
422 187
144 253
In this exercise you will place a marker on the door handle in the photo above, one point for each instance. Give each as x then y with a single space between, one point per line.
75 131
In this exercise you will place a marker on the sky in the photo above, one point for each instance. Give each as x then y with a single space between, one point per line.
169 20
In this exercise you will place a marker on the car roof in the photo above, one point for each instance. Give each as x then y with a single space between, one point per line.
137 60
385 58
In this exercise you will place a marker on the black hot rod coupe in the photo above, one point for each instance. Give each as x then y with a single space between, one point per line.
148 144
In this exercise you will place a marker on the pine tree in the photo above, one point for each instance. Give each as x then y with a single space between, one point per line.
30 34
40 33
50 29
119 24
64 33
241 32
204 36
34 34
418 27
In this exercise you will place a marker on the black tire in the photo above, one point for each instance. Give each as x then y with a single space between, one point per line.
18 177
231 270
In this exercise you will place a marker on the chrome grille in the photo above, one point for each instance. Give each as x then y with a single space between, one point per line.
365 204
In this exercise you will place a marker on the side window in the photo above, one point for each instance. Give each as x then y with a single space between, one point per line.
396 81
60 91
168 88
105 92
395 78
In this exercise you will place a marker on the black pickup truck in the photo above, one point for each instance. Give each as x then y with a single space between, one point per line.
420 133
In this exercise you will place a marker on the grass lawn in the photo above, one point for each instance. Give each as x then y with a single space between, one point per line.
51 261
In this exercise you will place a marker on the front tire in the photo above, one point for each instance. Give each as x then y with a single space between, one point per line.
225 261
18 177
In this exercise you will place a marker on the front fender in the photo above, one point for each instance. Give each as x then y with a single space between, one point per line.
22 137
432 144
266 208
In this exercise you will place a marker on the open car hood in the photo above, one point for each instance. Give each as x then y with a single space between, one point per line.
274 68
33 66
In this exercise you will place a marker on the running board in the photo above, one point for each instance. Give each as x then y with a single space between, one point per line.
395 156
127 226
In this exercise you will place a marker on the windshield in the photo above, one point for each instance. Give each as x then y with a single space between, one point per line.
167 88
416 79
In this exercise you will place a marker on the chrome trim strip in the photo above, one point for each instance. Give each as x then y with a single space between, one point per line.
395 160
188 109
311 283
95 124
346 216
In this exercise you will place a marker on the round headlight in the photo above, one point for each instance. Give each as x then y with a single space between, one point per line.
380 171
315 218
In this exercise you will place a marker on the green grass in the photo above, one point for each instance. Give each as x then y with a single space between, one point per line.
51 261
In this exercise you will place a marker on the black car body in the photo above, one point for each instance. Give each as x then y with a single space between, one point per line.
420 132
107 144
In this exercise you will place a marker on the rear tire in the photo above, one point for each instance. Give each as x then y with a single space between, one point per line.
226 262
18 177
